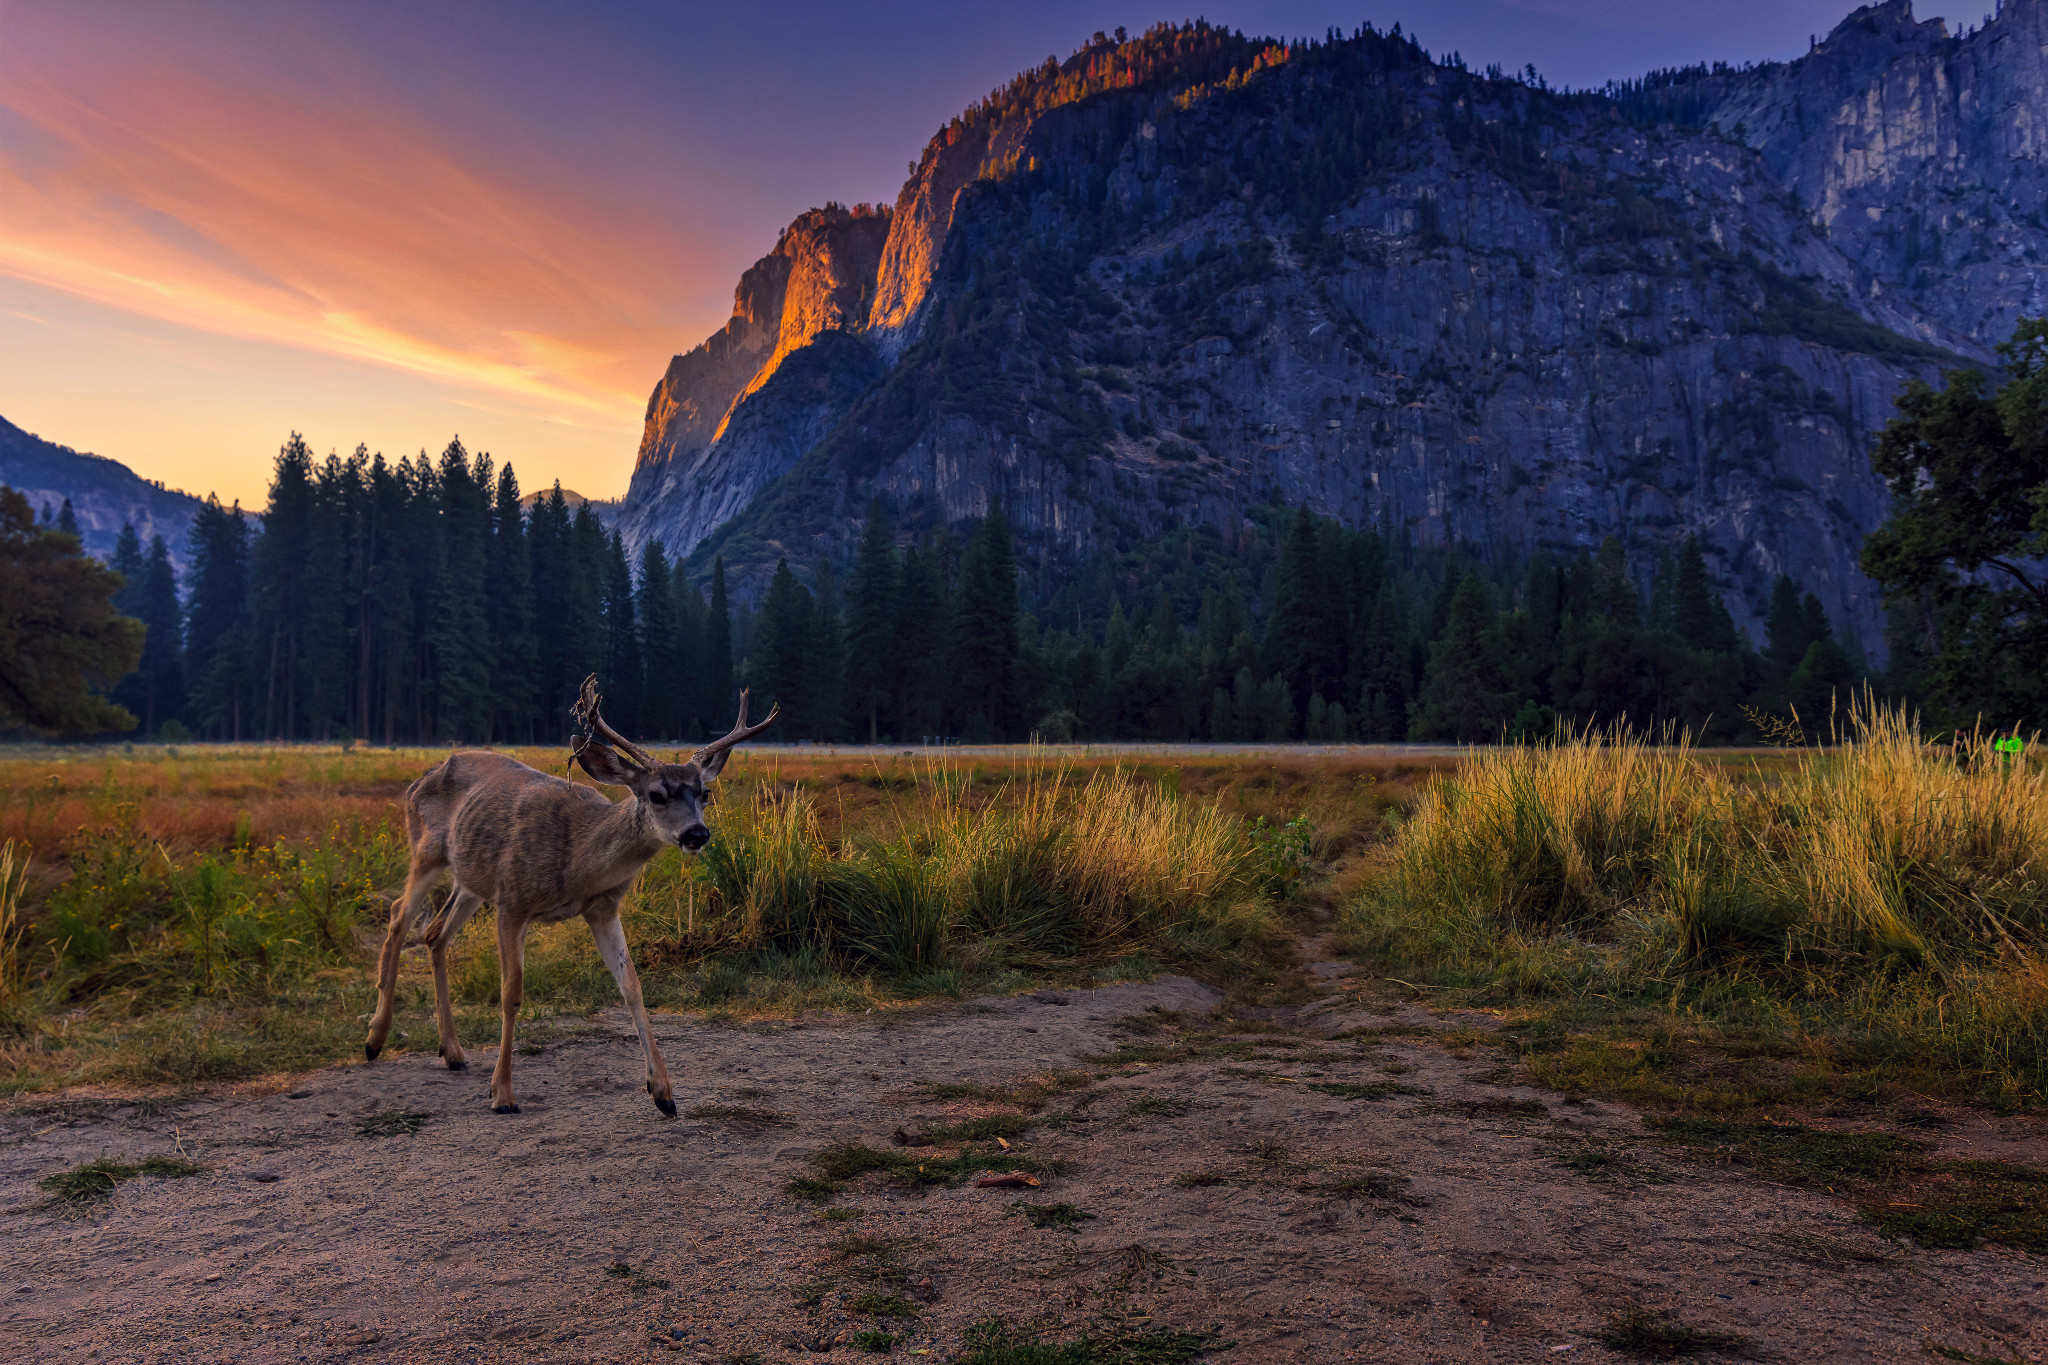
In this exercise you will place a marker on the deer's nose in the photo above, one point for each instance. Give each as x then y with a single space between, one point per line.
694 838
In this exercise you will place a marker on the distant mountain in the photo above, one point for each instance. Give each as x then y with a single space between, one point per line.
606 510
1179 275
105 494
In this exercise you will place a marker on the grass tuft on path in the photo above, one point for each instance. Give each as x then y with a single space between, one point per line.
94 1182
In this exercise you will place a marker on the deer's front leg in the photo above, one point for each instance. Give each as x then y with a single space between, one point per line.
511 991
611 946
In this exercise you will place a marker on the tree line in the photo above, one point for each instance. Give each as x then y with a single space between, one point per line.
424 601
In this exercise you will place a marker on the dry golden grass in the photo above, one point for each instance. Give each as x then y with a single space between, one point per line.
1883 899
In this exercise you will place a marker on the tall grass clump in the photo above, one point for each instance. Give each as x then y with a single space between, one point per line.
1040 871
1886 895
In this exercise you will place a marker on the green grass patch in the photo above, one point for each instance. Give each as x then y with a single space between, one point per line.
996 1342
1897 1188
1029 1094
1964 1204
639 1281
873 1341
982 1129
814 1190
1649 1335
1794 1154
94 1182
1367 1090
743 1116
846 1161
392 1123
1382 1188
1158 1106
1597 1162
1063 1216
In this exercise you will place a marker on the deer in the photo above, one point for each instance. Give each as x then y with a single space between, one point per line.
541 848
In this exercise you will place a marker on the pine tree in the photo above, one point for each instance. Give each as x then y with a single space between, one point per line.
1305 633
872 661
162 668
621 671
278 586
692 617
511 614
216 628
983 658
1383 694
461 630
825 675
67 521
556 636
1697 616
1462 698
1788 632
662 687
780 653
718 675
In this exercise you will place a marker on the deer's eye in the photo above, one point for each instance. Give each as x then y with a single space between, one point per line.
656 799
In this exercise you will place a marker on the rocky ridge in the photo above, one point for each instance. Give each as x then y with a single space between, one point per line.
1178 274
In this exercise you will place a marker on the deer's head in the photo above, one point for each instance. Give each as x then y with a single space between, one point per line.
670 795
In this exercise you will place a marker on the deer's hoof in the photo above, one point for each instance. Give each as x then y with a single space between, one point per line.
456 1063
667 1107
370 1051
504 1109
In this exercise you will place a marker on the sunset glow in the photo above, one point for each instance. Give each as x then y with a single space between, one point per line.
220 224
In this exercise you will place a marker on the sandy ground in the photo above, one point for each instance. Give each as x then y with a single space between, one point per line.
588 1228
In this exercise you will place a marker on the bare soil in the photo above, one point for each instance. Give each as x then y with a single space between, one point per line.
1431 1223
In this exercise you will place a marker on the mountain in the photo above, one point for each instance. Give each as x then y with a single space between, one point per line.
105 494
1178 275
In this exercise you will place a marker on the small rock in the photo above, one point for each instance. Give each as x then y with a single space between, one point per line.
297 1094
264 1177
903 1137
24 1289
214 1276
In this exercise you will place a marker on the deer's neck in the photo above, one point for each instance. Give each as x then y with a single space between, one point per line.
626 840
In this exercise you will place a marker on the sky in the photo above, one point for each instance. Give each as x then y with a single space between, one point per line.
392 223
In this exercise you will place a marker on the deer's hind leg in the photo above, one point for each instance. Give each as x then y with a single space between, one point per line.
406 911
611 946
440 935
511 993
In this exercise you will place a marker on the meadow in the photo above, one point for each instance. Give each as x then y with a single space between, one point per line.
207 914
1857 923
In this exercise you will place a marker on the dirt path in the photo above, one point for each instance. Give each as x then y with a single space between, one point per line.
1429 1223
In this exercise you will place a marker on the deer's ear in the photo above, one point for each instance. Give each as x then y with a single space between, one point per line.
710 768
606 766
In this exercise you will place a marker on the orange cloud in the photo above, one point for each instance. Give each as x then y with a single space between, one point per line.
345 226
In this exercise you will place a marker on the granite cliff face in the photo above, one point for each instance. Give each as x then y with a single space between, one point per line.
1179 274
1921 154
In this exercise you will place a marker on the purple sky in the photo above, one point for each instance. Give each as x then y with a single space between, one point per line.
384 222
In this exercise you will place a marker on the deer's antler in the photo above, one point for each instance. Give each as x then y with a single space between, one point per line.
741 731
589 718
